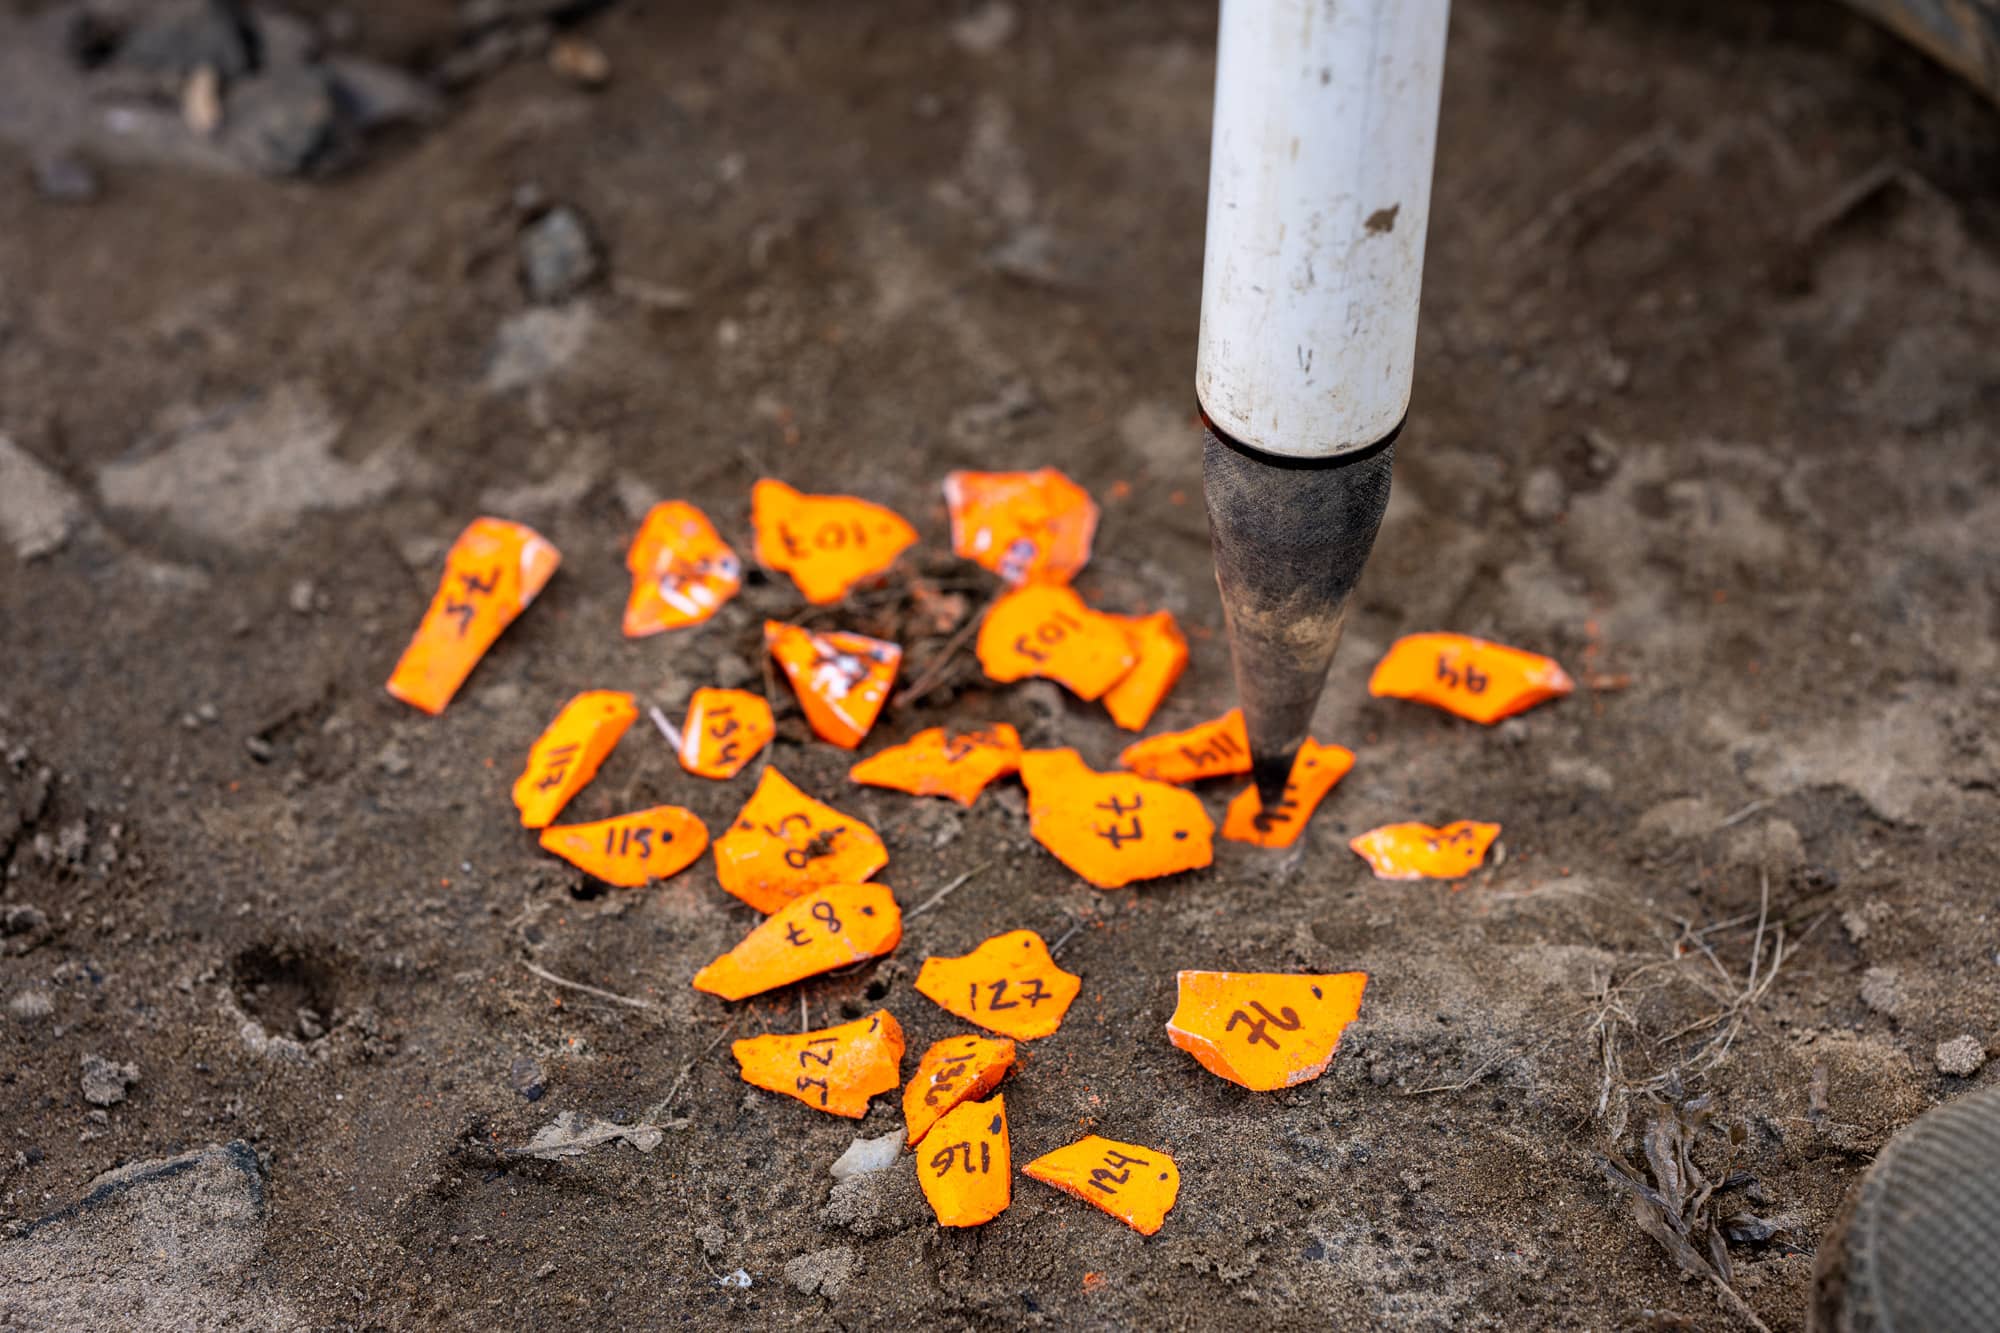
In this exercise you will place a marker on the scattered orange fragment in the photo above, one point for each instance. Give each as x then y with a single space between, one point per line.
827 543
964 1168
1027 527
1264 1030
682 570
784 844
1002 986
1470 677
1418 851
1314 774
842 679
1113 828
631 850
932 763
724 730
1136 1185
1163 655
564 758
1211 750
954 1070
1046 630
839 925
491 573
835 1070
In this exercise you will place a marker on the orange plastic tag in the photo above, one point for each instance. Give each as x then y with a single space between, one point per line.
492 572
682 570
964 1168
1027 527
1046 630
631 850
1470 677
835 1070
564 758
842 679
724 730
827 543
1136 1185
1314 774
1212 750
1264 1030
1113 828
839 925
932 763
1163 655
957 1069
1007 985
783 844
1418 851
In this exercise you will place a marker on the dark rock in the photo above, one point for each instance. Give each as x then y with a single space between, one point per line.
283 122
526 1078
175 39
373 96
558 256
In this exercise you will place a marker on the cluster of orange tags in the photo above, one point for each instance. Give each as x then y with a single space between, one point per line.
809 868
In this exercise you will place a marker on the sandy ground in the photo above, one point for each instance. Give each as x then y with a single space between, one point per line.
1705 409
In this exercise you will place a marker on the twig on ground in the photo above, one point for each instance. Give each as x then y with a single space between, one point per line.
587 989
934 669
945 892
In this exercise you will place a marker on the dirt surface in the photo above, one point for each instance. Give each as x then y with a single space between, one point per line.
1704 409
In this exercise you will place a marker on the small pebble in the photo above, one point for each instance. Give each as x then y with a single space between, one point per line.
558 256
301 597
1962 1056
104 1081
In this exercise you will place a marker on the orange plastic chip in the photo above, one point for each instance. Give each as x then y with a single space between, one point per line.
1007 985
1027 527
954 1070
835 1070
1163 655
682 570
1264 1030
1046 630
1418 851
564 758
827 543
1314 774
725 729
842 679
1136 1185
631 850
492 572
932 763
1113 828
1470 677
839 925
1212 750
784 844
964 1167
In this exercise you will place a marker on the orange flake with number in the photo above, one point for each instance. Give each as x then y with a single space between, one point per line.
784 844
564 758
842 679
1113 828
1027 527
955 1070
835 1070
1007 985
1163 654
827 543
1314 774
965 1168
493 571
631 850
1470 677
1418 851
1264 1030
934 763
1046 630
682 570
1213 749
724 730
1136 1185
839 925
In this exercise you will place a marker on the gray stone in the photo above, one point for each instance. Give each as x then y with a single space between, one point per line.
1881 990
866 1155
534 344
38 511
1962 1056
283 122
104 1082
823 1272
558 256
1543 496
